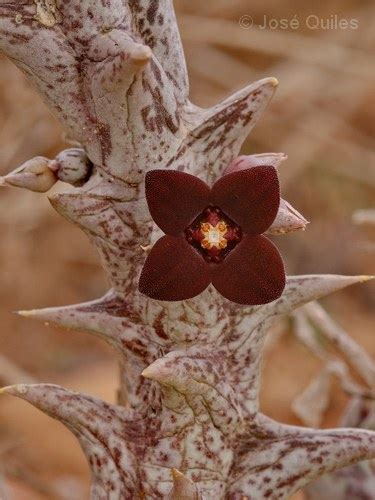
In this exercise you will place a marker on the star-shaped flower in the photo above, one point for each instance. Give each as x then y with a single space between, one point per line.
214 235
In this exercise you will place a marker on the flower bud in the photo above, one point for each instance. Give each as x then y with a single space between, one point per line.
34 175
72 166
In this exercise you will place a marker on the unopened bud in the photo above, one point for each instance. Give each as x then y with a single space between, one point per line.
288 219
34 175
264 159
72 166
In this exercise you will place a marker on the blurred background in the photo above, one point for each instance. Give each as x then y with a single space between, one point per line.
323 117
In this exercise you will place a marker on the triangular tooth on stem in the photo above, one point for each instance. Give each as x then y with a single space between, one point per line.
140 54
299 290
106 317
182 373
67 317
181 370
101 428
126 65
63 404
220 131
18 390
240 100
122 59
293 456
153 372
302 289
183 488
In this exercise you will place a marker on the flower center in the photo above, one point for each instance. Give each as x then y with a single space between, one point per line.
213 234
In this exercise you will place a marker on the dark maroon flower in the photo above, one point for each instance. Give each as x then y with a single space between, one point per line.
214 236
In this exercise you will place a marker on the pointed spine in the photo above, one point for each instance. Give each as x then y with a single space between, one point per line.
215 140
183 488
104 432
280 467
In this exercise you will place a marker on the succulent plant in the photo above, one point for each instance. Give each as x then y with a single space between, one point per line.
187 423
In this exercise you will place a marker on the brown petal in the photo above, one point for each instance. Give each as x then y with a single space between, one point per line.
250 197
175 199
174 271
252 274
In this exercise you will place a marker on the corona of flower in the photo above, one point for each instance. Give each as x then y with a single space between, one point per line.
214 235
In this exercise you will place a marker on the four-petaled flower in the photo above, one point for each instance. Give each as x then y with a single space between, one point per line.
214 235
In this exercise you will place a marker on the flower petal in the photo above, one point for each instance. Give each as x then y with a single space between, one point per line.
174 271
175 199
250 197
252 274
